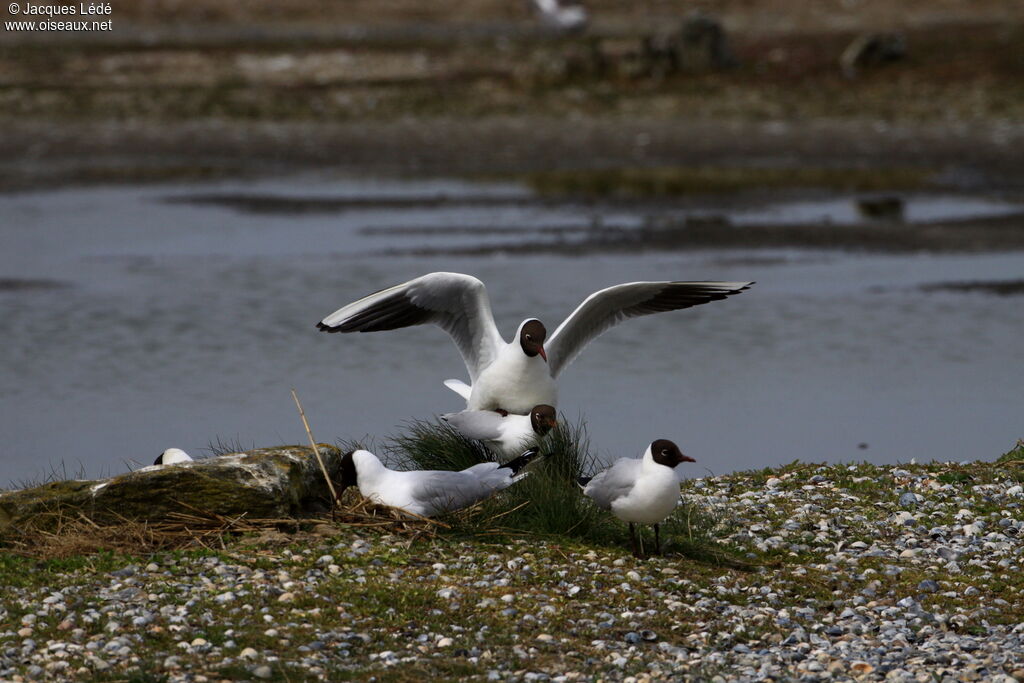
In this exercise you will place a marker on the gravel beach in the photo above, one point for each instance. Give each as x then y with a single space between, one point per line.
859 572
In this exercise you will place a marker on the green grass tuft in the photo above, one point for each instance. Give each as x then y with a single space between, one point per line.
1015 455
548 502
435 446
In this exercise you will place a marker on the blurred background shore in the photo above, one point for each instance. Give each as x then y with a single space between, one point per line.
212 88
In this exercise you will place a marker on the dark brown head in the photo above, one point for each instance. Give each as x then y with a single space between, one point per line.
543 419
668 454
531 337
348 472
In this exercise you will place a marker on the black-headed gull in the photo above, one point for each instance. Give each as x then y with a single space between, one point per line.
172 456
428 492
504 434
641 491
514 376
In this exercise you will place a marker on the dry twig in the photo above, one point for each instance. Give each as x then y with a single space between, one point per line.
316 449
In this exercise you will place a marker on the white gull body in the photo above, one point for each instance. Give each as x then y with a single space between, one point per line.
517 375
504 435
429 492
172 456
641 491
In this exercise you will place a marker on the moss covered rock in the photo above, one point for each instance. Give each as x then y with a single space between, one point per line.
267 482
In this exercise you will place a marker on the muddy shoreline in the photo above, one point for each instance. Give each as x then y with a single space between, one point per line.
41 155
211 92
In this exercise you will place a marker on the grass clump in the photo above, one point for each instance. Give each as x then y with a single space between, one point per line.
549 502
430 446
1014 456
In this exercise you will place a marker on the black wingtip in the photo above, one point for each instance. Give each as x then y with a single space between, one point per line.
327 328
583 481
522 461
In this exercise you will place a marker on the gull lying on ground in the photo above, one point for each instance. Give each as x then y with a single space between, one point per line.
643 491
429 492
516 376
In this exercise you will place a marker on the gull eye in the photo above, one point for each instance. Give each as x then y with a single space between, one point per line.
529 337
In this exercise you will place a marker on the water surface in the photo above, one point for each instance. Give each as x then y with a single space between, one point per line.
145 321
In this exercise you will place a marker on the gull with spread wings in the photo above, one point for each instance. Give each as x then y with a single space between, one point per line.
513 376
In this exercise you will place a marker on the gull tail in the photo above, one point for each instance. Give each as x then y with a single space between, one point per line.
459 387
583 481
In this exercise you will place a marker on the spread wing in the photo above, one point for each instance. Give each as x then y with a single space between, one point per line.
608 307
480 425
456 303
613 483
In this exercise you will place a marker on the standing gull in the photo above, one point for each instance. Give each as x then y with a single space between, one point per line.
428 492
504 435
519 375
644 491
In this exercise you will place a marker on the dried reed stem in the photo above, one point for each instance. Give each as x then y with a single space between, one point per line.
316 450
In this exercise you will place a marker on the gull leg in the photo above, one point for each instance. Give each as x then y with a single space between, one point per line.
657 541
632 540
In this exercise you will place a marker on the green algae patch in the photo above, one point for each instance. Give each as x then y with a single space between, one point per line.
263 483
630 183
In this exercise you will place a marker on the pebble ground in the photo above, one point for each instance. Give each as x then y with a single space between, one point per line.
866 573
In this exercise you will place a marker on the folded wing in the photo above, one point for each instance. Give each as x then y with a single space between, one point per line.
608 307
456 303
613 483
447 491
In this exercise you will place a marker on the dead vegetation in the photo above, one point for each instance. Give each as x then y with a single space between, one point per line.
74 534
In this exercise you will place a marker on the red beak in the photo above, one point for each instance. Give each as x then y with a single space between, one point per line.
542 354
687 458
